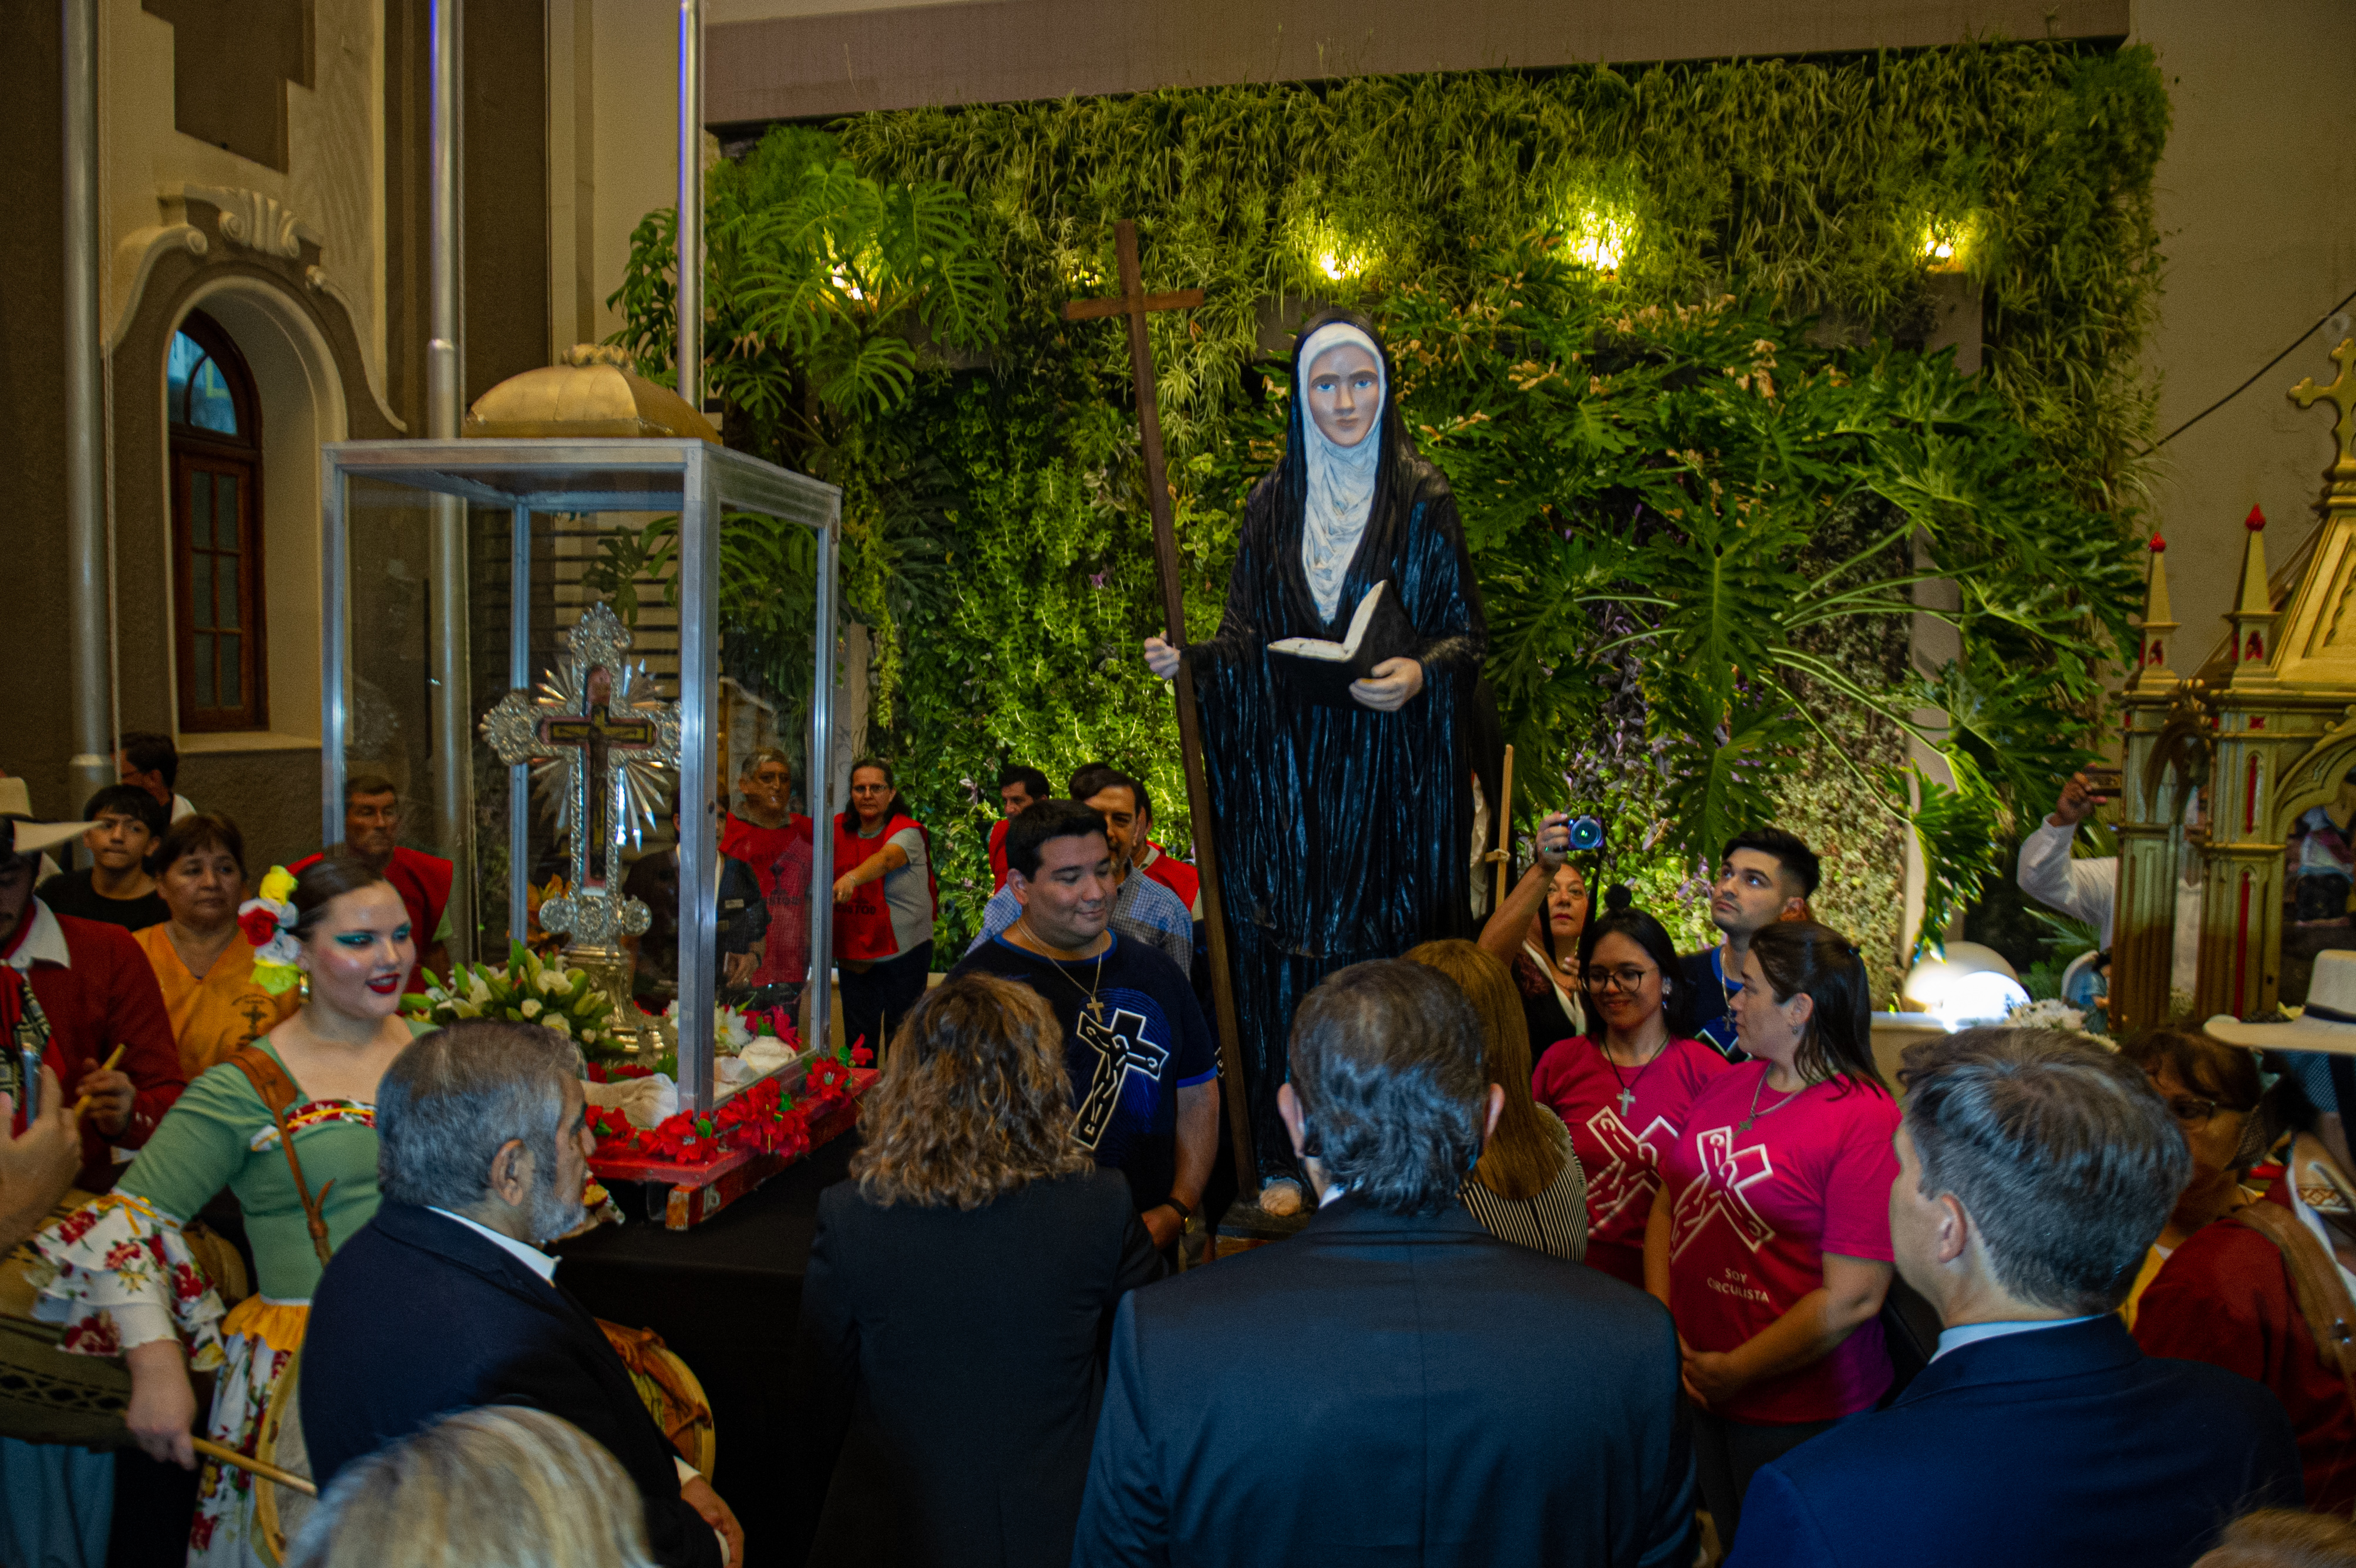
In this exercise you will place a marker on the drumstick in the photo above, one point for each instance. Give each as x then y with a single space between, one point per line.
228 1455
1504 856
81 1106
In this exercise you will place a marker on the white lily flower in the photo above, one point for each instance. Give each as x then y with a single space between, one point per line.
532 1008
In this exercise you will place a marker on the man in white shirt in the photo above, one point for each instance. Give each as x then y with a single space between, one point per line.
2086 889
2034 1169
444 1302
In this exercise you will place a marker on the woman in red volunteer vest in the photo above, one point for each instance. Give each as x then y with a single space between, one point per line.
1770 1240
882 906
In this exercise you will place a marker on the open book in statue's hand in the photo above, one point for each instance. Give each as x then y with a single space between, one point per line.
1319 670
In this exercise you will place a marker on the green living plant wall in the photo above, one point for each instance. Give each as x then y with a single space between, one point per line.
1646 321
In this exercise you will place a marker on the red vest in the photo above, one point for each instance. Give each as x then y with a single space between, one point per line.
863 923
998 852
104 996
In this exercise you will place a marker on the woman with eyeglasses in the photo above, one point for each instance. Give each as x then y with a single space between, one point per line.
1624 1086
2213 1090
1770 1242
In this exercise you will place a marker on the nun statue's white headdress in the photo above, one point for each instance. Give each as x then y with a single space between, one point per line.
1340 487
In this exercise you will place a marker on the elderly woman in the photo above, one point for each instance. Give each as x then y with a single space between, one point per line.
960 1287
201 959
496 1484
2212 1089
1527 1187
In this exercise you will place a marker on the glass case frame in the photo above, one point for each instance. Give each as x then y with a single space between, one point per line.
699 480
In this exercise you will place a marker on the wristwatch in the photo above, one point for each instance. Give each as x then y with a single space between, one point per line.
1184 1211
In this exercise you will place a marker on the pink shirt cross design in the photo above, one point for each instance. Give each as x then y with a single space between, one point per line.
1719 1193
1754 1212
1622 1123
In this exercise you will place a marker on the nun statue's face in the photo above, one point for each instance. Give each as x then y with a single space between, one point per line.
1345 393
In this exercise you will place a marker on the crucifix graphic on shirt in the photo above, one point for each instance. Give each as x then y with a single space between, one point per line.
1122 1048
1635 1166
1718 1191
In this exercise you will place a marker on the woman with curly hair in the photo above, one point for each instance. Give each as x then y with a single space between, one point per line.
960 1287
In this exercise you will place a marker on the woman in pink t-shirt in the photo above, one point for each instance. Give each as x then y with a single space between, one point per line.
1623 1087
1771 1244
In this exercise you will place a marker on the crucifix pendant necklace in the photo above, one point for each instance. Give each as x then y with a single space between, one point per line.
1096 1008
1627 1085
1755 1112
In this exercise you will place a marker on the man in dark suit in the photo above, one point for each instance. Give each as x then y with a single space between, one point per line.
2034 1170
441 1301
1392 1384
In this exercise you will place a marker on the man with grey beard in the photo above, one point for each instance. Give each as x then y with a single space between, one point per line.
443 1301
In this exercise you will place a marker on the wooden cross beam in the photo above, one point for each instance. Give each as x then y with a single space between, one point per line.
1134 303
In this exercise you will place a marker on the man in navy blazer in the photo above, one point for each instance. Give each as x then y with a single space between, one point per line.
2034 1170
442 1303
1392 1384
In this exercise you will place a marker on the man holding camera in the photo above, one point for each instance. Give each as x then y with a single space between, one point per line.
2086 888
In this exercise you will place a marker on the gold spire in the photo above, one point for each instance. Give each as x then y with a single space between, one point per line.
2151 663
2254 607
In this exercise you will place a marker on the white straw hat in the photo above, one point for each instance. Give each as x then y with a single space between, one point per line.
2328 1021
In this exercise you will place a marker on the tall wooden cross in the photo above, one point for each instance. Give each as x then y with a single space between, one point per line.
1134 303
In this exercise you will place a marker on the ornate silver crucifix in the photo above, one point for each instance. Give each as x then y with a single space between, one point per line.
606 750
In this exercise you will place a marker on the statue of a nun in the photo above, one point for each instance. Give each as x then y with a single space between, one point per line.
1343 832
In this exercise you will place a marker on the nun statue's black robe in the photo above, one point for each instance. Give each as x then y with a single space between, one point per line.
1343 834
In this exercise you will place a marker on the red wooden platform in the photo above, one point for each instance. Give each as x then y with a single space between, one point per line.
699 1191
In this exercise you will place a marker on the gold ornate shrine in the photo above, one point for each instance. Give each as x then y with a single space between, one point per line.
2265 731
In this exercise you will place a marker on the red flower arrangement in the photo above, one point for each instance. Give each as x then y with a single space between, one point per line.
258 926
762 1120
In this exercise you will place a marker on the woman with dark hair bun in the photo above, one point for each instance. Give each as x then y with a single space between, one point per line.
288 1125
1624 1087
1771 1244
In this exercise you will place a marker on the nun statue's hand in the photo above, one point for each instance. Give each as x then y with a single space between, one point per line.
1389 687
1162 659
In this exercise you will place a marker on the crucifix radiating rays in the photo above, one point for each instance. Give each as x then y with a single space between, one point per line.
606 749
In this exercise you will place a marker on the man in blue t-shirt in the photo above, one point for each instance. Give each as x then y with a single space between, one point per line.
1142 1064
1765 875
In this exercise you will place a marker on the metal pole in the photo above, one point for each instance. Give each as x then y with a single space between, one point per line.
91 681
819 989
335 645
452 703
699 671
520 775
691 202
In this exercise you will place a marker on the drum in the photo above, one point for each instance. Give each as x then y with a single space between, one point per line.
48 1395
669 1392
279 1512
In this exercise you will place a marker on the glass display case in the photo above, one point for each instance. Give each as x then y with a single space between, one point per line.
546 645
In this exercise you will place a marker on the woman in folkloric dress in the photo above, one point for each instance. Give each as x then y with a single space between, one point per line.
126 1283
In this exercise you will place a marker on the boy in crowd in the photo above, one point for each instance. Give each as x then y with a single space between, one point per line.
1764 875
125 825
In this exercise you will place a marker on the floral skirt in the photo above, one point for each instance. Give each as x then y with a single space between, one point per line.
259 1340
